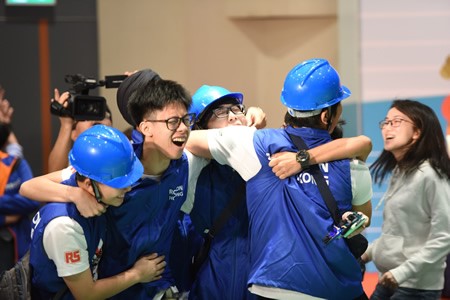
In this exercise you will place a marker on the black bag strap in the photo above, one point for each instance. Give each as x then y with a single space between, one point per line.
324 189
217 225
228 210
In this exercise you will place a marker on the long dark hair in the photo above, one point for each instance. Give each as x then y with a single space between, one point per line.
429 146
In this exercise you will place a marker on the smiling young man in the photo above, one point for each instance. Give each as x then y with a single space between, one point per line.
147 219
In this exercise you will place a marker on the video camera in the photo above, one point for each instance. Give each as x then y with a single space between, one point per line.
81 106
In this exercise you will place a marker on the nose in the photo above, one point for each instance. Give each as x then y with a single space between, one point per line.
231 115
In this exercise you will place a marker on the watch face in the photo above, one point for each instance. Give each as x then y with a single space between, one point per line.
302 158
303 155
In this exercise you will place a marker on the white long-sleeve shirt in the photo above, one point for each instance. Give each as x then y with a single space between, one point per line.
415 238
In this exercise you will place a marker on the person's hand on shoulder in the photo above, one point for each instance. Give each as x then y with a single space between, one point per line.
86 203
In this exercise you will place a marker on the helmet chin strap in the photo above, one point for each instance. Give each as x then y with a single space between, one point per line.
330 118
97 192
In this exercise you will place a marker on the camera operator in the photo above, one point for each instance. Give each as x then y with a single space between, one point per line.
69 130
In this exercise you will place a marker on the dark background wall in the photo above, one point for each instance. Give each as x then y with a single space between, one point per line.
38 47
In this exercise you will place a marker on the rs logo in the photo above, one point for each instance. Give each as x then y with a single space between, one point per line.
72 257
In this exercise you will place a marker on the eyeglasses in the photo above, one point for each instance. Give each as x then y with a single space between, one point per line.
174 122
394 122
223 111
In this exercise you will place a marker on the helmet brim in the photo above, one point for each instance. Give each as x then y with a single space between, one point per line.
137 170
238 96
345 93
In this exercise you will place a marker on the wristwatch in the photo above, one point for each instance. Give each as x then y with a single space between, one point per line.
302 158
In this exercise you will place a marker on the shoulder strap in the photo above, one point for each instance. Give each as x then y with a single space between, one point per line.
203 252
220 221
320 180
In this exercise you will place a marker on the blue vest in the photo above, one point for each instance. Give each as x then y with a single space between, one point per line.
224 274
145 224
44 276
289 219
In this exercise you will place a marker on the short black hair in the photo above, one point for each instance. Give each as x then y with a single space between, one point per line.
338 131
311 122
156 95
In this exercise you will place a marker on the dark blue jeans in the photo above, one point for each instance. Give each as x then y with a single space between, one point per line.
382 293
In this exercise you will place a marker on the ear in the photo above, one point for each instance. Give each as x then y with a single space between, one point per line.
416 134
85 184
324 116
73 135
146 128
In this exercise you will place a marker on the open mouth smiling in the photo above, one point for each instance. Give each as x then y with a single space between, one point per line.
179 141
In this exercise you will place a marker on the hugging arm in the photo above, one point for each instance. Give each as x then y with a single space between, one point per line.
284 164
47 188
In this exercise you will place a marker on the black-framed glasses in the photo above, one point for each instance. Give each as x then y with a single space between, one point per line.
224 111
396 122
174 122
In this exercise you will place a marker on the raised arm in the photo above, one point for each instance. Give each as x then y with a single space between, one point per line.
12 146
57 159
284 164
198 143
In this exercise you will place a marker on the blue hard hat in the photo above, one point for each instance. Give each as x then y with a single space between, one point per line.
312 85
207 95
104 154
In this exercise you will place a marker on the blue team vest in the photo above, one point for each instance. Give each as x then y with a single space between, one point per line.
145 224
44 278
229 255
289 218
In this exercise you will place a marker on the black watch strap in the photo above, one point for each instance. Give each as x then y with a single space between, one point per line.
302 158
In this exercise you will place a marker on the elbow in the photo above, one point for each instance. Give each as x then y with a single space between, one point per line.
366 147
366 141
23 191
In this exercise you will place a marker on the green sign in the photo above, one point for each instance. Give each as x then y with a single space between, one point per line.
31 2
